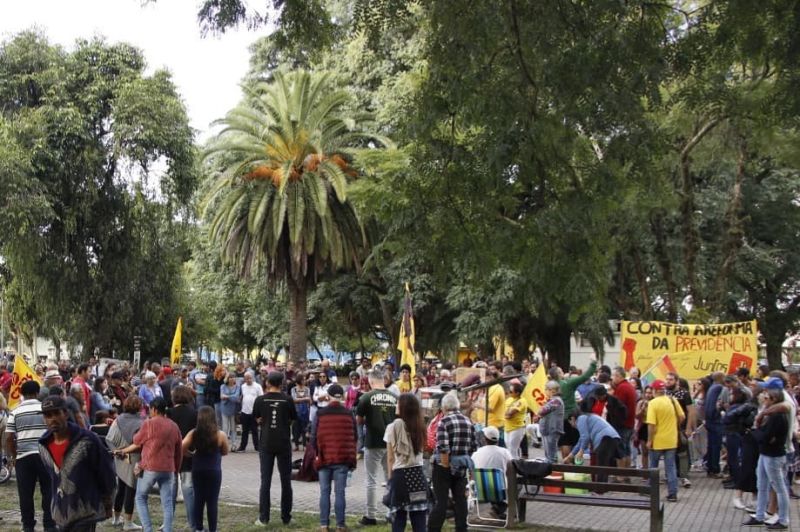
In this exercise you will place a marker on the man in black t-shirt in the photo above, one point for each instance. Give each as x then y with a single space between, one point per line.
274 411
376 409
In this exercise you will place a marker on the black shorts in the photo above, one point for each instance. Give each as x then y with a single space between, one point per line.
571 435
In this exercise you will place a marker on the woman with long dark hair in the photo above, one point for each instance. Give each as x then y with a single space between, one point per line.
405 442
206 444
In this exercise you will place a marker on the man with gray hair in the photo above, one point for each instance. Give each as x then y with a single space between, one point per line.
376 410
455 442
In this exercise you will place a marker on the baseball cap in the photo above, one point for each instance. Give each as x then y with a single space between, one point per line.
52 374
167 370
52 403
491 433
336 391
774 383
658 384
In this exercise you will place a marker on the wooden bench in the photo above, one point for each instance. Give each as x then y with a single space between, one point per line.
518 497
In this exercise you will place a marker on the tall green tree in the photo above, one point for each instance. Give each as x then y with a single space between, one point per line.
278 201
101 162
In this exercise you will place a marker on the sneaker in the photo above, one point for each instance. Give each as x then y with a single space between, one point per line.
367 521
686 483
672 498
777 526
117 521
753 522
259 522
750 509
771 520
130 525
738 504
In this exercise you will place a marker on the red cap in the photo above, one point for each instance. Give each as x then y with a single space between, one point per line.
658 384
167 370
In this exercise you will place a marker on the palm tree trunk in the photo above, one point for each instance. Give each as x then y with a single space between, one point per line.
298 318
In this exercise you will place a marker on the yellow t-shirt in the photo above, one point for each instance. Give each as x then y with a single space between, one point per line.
404 386
661 412
497 406
517 421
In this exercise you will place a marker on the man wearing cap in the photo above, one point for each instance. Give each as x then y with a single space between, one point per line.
25 427
664 415
81 470
492 456
274 411
333 434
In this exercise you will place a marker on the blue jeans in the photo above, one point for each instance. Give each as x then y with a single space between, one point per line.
669 467
733 442
714 447
165 482
187 489
338 474
771 474
550 444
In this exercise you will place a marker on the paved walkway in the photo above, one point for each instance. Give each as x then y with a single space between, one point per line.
703 507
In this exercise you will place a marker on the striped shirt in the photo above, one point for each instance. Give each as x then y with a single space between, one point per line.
27 423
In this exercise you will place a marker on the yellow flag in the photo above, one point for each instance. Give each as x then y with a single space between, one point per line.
175 356
534 390
22 373
407 336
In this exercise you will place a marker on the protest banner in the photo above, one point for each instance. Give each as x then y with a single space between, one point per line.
692 351
22 373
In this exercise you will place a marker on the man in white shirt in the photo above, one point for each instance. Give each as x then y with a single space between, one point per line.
25 426
250 391
492 456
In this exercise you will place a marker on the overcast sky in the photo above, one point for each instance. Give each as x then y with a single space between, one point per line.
207 71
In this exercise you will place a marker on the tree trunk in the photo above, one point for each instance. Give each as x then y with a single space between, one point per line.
298 318
519 331
554 338
734 238
664 263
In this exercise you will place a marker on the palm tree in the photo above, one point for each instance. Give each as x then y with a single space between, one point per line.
278 203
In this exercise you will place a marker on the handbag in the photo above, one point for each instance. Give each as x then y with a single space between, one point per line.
683 441
533 472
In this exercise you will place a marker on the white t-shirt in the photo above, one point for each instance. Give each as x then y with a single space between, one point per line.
249 394
400 461
491 457
319 391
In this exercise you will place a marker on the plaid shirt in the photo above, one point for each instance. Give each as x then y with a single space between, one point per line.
456 435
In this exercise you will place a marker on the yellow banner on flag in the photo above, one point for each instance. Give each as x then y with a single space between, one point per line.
534 391
175 355
692 351
407 335
22 373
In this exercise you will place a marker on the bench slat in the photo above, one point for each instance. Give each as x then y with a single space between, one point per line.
589 500
592 486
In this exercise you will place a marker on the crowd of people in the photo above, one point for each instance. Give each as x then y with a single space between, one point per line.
118 433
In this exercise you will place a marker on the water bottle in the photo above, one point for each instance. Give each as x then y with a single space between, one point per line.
587 458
